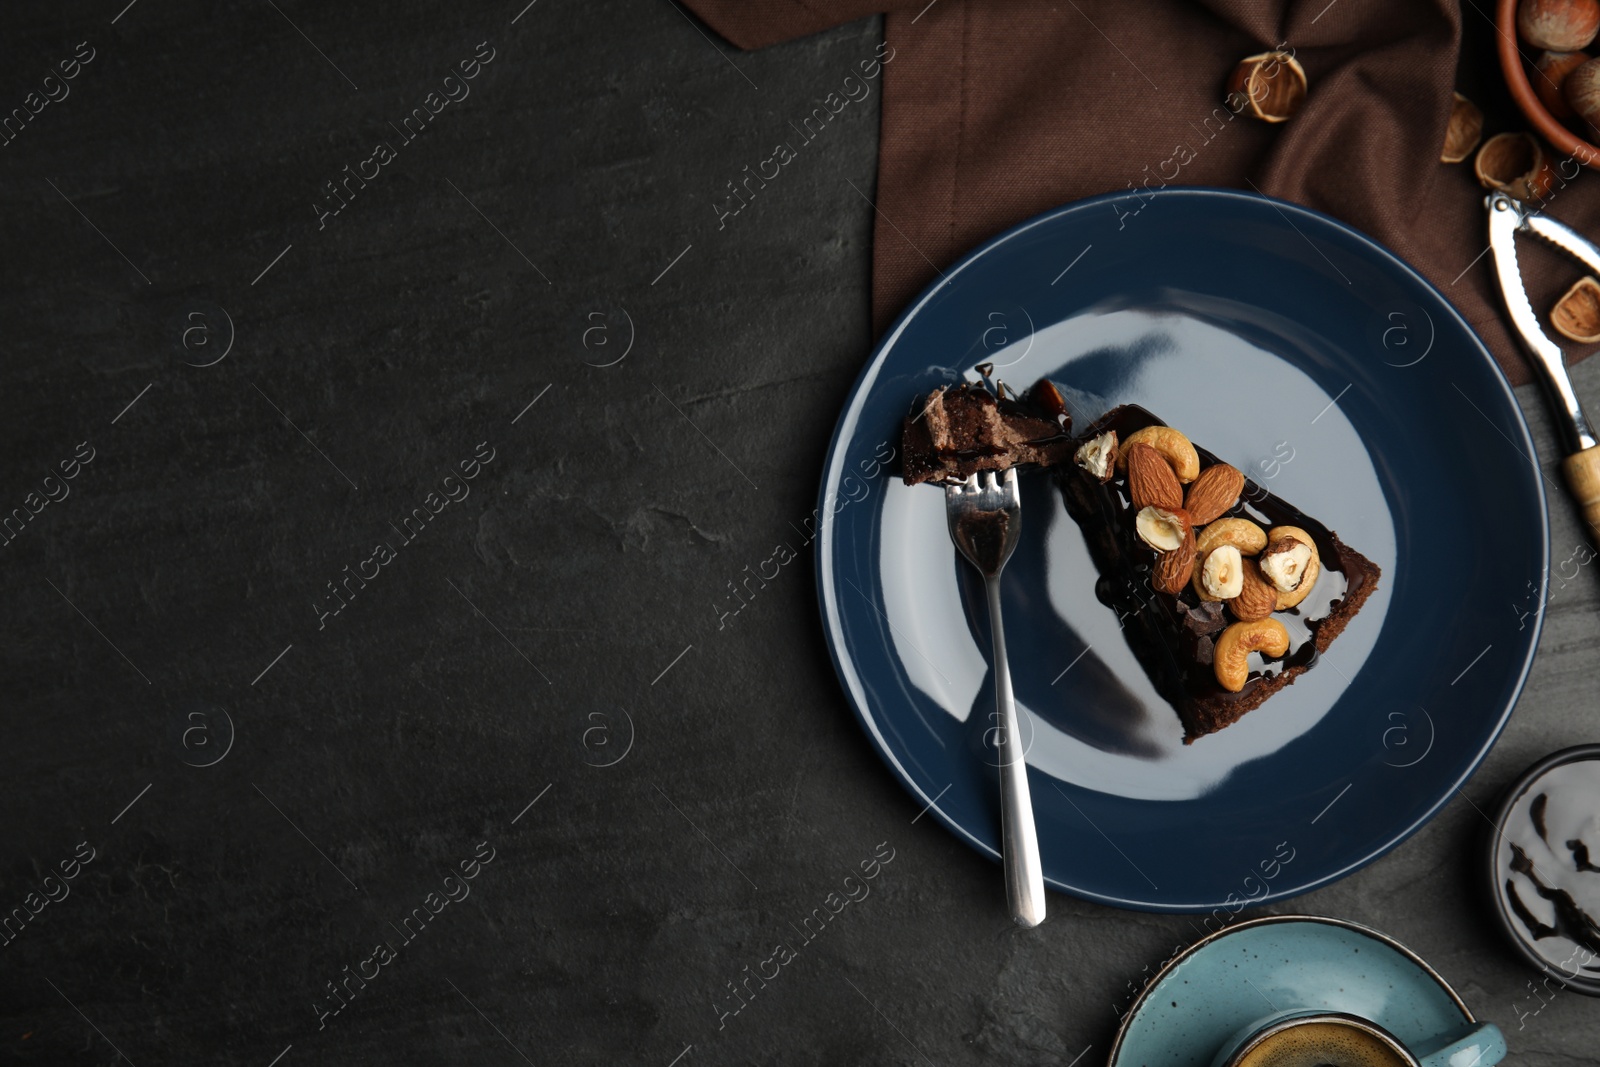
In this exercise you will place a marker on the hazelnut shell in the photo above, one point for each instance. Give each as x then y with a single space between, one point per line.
1514 164
1464 132
1270 86
1577 314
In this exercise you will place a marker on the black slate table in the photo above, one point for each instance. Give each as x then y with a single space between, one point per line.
407 488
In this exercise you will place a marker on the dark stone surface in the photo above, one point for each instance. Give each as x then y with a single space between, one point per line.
563 611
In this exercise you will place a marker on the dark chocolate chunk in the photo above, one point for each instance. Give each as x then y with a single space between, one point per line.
1204 618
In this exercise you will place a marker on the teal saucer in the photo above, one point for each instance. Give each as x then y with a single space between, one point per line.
1202 996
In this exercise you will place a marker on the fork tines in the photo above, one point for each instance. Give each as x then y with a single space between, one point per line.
1000 483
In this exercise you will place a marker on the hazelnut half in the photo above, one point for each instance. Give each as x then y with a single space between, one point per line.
1098 456
1514 164
1559 25
1577 314
1163 529
1284 563
1310 571
1550 72
1270 86
1222 575
1464 132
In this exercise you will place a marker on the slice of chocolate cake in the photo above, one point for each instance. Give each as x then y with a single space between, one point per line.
1205 567
962 429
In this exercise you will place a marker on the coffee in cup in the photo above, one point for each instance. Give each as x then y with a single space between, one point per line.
1324 1041
1313 1038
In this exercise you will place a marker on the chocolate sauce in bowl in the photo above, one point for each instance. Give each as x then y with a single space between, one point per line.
1546 882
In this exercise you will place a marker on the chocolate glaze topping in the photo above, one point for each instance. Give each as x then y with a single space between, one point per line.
1174 635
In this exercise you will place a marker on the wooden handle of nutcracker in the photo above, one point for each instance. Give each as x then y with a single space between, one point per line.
1582 470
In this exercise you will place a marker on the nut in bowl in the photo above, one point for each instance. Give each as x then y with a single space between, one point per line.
1572 136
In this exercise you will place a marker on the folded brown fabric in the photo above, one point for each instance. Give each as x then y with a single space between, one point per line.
997 110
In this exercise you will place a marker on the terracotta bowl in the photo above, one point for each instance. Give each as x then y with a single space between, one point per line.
1566 142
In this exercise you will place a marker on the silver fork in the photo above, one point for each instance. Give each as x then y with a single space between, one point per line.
985 519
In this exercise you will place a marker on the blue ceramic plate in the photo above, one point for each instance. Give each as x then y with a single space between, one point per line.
1330 372
1283 962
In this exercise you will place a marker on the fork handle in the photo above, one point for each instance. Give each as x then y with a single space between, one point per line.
1019 839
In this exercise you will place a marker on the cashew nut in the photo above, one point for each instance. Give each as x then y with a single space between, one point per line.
1231 659
1242 534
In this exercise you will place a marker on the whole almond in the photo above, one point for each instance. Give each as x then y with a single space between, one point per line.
1151 481
1213 493
1178 449
1257 598
1173 569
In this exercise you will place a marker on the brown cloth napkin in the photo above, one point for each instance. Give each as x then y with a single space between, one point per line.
997 110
